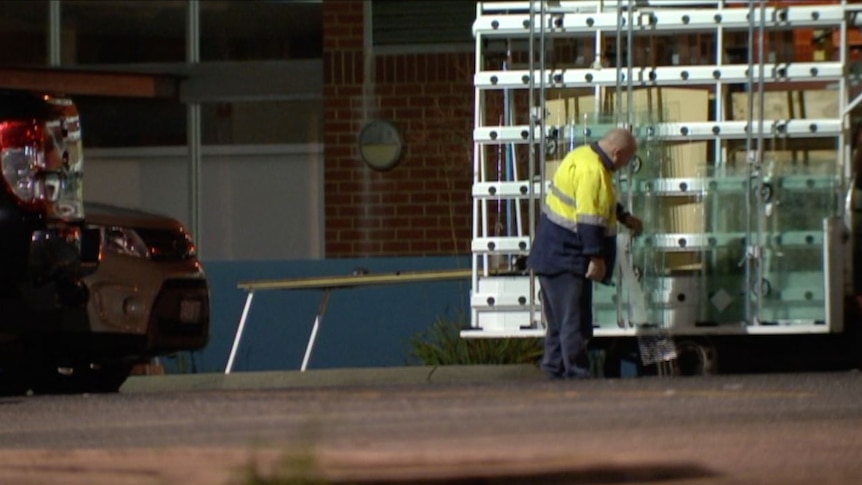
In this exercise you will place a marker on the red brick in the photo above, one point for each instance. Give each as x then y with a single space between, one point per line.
424 221
387 233
366 247
395 247
408 113
425 246
335 249
337 223
350 235
407 90
379 211
410 210
394 102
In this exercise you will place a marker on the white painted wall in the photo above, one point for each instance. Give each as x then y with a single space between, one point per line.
260 202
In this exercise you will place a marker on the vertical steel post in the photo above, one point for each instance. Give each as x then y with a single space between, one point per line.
54 28
749 153
193 135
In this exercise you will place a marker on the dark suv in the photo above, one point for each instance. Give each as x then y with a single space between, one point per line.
45 248
82 298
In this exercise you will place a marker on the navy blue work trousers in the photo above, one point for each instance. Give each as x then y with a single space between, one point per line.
567 301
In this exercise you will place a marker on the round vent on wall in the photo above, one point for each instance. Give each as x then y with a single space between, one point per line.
380 144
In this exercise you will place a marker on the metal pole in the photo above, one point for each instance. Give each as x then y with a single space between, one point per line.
719 99
749 153
629 72
193 136
318 320
761 211
531 160
630 125
54 29
845 106
239 331
542 74
618 102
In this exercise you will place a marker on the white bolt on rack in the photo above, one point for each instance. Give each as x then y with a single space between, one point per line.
506 190
504 245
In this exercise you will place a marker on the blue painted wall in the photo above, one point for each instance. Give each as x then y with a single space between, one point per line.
363 327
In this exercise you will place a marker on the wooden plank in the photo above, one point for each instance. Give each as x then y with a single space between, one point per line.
346 281
72 83
781 105
682 159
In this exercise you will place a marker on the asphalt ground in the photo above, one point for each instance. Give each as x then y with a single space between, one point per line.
446 425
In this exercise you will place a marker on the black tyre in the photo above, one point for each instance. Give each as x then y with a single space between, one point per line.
13 383
93 378
695 357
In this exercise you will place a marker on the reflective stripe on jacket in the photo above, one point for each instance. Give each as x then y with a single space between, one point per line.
582 197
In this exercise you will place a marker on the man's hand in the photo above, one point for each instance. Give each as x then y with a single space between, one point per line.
596 269
635 225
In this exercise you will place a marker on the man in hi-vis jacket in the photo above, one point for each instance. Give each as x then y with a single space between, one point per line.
575 244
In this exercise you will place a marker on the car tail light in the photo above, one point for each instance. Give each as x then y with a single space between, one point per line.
23 159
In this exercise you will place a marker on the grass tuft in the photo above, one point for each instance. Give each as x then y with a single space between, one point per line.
442 344
293 469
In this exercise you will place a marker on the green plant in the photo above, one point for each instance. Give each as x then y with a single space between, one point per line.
442 344
294 469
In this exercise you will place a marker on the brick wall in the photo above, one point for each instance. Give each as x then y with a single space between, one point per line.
422 207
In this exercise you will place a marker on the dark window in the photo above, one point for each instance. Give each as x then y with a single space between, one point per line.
414 23
260 30
120 32
24 33
131 122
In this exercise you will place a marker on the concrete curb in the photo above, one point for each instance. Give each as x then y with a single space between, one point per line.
414 375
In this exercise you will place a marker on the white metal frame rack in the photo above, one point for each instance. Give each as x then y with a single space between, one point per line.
504 296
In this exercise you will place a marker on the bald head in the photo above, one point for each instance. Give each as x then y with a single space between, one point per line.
620 145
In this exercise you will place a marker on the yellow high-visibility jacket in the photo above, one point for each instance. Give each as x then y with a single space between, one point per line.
579 216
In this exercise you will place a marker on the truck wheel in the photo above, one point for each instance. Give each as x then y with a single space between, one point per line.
695 357
13 384
109 378
621 358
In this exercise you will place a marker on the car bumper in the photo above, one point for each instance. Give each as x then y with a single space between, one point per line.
165 305
180 318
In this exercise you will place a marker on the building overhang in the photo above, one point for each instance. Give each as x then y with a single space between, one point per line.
91 83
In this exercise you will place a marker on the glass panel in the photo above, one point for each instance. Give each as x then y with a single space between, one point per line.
797 197
99 32
694 252
702 208
24 25
261 30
